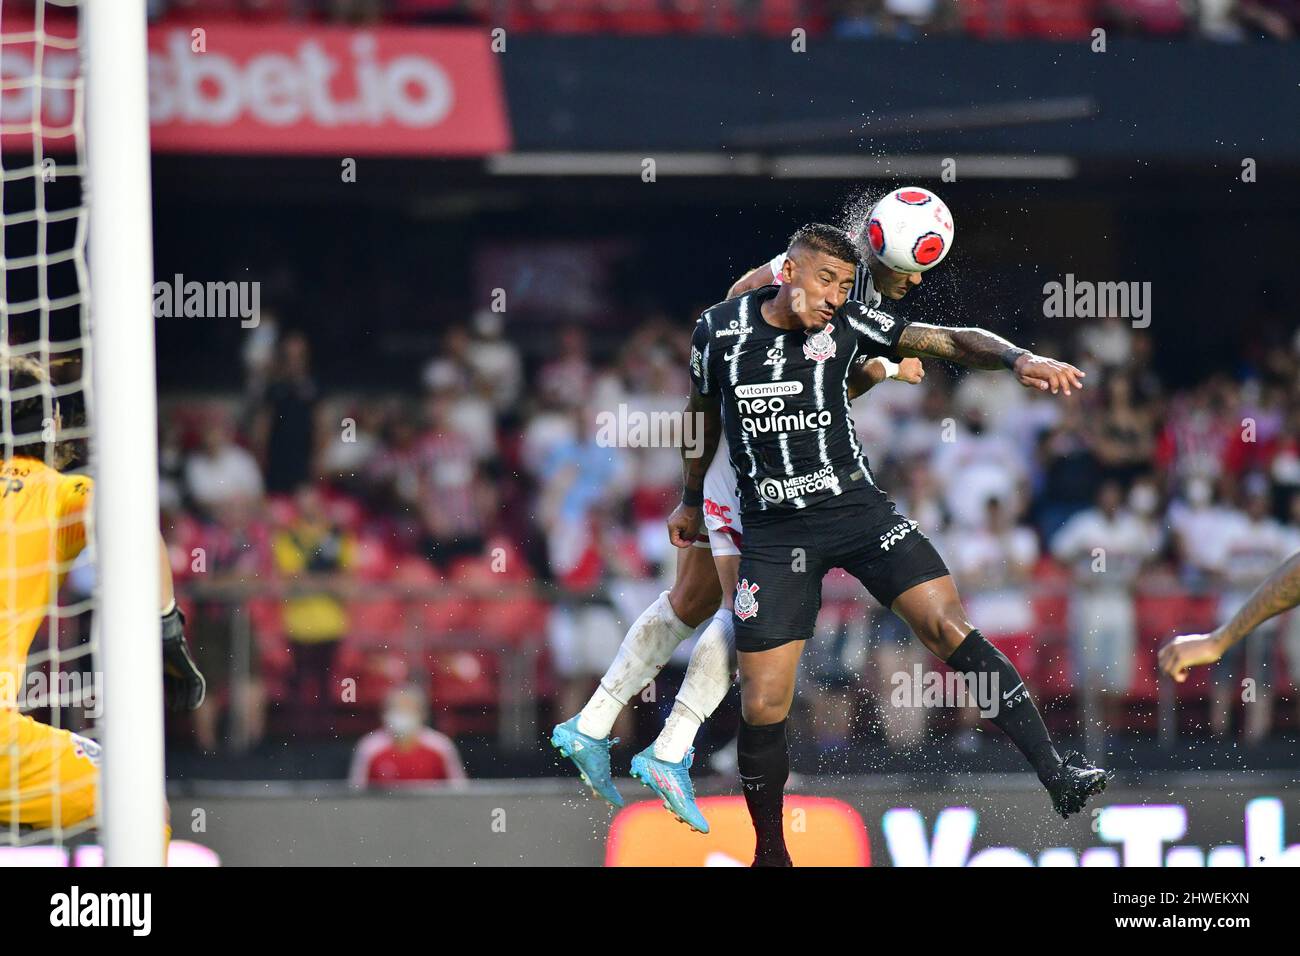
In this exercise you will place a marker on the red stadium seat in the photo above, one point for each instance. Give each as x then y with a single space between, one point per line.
376 620
1053 666
1045 19
779 17
377 671
274 655
464 691
637 16
566 16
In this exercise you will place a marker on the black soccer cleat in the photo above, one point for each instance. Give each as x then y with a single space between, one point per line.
1074 781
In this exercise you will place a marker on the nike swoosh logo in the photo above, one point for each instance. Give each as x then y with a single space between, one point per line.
731 356
1007 695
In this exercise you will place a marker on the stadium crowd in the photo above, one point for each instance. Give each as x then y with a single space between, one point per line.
1221 20
334 548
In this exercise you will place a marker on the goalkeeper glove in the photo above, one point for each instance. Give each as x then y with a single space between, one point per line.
183 685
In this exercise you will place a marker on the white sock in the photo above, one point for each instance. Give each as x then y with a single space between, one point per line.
708 678
649 644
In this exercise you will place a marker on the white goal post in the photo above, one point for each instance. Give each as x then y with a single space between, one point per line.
124 409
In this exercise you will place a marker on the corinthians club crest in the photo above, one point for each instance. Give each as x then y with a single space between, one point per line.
820 347
746 605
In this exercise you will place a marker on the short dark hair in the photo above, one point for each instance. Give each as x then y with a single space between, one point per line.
833 241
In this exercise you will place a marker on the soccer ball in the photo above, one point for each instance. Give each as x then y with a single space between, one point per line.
910 230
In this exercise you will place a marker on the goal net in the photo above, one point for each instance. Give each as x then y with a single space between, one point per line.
79 664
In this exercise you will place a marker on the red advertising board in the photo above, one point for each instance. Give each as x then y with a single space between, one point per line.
304 90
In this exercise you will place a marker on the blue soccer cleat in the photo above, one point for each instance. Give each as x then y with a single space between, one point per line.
672 781
590 755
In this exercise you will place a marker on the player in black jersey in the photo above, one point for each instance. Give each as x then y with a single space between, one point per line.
810 503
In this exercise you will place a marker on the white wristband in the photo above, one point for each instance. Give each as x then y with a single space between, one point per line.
891 368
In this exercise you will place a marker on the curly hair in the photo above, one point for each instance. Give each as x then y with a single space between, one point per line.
27 415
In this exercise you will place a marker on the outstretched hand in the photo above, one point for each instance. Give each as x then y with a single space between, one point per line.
1042 373
1188 650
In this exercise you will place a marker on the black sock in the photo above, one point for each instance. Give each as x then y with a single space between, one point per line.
1016 713
764 760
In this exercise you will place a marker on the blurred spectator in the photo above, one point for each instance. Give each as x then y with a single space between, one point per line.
579 478
1107 343
992 565
565 381
285 422
1253 545
583 482
171 465
405 750
1200 529
500 450
235 549
463 393
1069 470
1197 433
496 362
1106 547
259 352
344 459
973 465
219 471
453 503
1121 434
309 552
584 628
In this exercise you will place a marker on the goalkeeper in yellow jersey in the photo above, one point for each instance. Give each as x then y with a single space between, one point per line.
49 777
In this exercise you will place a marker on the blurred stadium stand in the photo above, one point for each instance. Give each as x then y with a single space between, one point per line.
456 507
1064 20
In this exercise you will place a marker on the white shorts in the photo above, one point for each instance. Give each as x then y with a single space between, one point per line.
721 506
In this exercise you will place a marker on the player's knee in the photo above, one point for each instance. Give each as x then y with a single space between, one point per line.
942 627
763 704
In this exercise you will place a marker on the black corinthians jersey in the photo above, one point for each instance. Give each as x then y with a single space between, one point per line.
784 394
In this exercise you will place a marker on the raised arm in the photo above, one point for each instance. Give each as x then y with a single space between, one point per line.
978 348
1279 592
755 278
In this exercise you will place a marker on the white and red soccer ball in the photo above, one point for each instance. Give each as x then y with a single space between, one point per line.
909 230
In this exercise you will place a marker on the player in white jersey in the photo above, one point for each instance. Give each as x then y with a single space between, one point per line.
700 603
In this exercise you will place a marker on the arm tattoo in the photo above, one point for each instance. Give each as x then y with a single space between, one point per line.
700 440
974 348
1280 592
